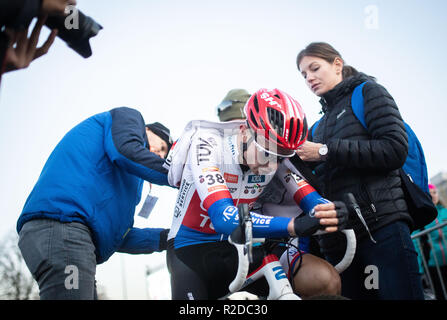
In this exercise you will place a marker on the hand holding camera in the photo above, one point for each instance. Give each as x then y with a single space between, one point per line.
56 7
23 49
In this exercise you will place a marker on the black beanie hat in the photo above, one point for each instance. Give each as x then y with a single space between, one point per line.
161 131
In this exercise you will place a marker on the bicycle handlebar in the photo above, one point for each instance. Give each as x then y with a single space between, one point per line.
351 244
242 239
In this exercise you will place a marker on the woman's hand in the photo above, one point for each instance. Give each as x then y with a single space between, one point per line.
308 151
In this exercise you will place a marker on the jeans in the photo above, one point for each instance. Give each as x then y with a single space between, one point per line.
386 270
61 258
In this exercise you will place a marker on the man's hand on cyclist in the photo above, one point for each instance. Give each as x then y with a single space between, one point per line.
329 217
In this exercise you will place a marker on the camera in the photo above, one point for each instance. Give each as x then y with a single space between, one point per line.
77 37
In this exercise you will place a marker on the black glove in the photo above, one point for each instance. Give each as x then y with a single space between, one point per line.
342 214
306 225
163 240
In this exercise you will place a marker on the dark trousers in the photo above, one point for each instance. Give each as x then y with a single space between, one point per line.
387 270
61 257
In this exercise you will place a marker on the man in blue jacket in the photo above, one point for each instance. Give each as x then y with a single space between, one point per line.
81 209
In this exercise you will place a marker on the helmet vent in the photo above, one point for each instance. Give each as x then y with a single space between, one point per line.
292 130
304 134
255 103
253 118
262 123
277 120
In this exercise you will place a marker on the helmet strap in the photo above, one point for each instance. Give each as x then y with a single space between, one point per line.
245 145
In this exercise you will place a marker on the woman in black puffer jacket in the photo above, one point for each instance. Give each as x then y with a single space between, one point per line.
346 157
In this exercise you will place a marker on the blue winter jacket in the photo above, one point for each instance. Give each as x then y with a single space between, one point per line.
95 176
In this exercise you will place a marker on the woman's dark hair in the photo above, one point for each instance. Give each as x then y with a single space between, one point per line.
326 52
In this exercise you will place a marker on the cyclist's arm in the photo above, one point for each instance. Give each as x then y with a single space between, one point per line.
305 196
320 213
204 160
127 146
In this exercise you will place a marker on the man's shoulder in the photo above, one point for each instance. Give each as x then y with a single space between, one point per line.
125 112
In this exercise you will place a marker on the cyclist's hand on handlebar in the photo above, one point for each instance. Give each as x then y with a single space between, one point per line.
333 216
329 217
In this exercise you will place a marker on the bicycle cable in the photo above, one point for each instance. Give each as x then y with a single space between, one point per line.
292 264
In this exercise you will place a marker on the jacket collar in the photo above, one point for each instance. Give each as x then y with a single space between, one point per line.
333 96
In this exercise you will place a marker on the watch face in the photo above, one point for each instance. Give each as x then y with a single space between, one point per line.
323 150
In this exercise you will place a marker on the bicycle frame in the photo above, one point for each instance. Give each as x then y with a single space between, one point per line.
272 270
279 285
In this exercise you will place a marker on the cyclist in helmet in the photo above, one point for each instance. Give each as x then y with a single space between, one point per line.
219 165
275 197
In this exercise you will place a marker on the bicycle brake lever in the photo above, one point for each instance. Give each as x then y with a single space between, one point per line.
350 200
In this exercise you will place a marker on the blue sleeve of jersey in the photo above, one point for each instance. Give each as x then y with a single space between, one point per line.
311 200
126 146
138 241
225 218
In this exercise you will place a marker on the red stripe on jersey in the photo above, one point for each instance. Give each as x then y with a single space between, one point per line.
210 199
195 217
302 192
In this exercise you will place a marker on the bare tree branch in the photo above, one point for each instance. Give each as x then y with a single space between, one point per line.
16 282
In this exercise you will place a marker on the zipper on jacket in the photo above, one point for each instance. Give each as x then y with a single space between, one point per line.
327 176
362 187
371 203
365 193
324 105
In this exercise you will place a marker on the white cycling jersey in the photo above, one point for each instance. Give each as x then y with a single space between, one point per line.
213 183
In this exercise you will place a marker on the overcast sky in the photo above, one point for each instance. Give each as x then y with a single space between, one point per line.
174 61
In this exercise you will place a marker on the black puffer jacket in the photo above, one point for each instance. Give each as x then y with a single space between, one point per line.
363 162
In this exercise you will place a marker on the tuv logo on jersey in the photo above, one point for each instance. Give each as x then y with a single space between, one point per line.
203 151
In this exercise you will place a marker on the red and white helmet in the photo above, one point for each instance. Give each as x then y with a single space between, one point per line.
279 117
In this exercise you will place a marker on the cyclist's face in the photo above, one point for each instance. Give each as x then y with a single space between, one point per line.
156 144
259 161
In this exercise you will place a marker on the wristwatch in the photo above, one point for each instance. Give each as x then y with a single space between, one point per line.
323 151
